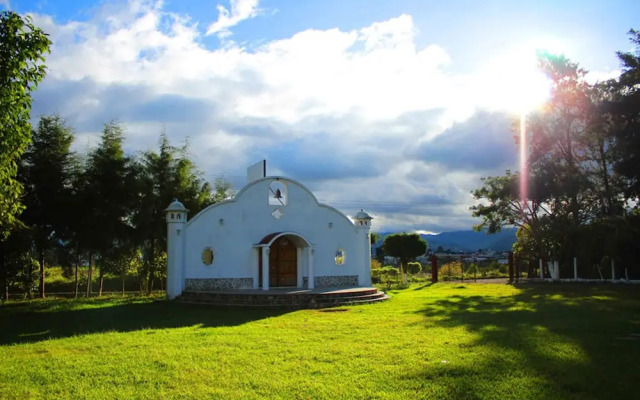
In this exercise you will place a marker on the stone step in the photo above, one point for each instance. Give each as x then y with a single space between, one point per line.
283 301
302 294
351 298
286 306
282 298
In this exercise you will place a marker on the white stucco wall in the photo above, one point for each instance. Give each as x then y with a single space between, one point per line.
232 228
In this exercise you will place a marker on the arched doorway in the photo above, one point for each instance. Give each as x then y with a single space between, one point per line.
283 263
281 258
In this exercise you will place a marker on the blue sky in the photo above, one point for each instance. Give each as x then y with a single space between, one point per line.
398 107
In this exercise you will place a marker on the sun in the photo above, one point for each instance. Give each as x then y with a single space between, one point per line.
512 82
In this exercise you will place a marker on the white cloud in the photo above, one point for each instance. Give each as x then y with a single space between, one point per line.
343 111
601 76
238 11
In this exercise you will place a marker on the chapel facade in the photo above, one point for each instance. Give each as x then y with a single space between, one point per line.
274 233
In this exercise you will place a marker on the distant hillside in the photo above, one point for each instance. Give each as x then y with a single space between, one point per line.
467 241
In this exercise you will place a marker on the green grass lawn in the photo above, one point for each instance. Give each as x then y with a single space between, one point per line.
447 341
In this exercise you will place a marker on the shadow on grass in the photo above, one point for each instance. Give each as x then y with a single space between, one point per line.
41 320
555 341
426 285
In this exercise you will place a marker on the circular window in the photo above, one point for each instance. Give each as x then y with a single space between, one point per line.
340 257
207 256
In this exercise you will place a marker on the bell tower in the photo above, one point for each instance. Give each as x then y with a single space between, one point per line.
362 220
176 219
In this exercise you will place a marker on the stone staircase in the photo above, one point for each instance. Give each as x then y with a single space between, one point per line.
285 299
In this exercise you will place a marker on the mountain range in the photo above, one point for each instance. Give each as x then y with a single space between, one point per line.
466 241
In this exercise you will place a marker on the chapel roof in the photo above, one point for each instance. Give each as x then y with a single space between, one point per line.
362 215
176 206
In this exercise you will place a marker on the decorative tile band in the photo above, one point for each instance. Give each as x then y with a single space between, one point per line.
336 281
218 284
206 284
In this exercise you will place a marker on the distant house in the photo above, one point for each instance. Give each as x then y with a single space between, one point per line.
273 233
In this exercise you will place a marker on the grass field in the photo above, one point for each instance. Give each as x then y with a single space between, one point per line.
447 341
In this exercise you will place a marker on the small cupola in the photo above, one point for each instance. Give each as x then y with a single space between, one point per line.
176 212
362 219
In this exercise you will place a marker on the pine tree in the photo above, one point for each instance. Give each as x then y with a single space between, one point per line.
166 175
108 196
46 176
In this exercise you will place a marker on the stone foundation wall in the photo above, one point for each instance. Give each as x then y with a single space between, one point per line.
218 284
335 281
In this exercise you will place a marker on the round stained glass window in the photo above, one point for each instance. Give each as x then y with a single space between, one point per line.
340 257
207 256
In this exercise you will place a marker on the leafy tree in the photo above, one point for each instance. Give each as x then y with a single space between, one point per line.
22 49
525 246
17 267
405 246
379 254
45 173
374 237
222 190
568 171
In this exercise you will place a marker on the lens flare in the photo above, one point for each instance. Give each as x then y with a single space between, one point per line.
524 173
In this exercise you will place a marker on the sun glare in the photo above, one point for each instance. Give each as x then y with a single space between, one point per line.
513 83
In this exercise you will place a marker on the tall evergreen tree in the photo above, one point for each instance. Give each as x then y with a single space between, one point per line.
109 195
624 110
46 175
77 245
166 175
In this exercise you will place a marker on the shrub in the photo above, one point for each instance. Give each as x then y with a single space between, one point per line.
473 270
414 268
451 269
494 274
386 275
376 275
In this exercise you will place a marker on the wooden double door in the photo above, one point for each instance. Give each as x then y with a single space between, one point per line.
283 263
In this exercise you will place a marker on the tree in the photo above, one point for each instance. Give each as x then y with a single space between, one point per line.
45 172
405 246
109 196
222 190
22 49
473 269
624 109
73 250
164 176
17 267
374 237
568 169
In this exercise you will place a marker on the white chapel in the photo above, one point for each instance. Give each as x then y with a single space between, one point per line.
273 233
